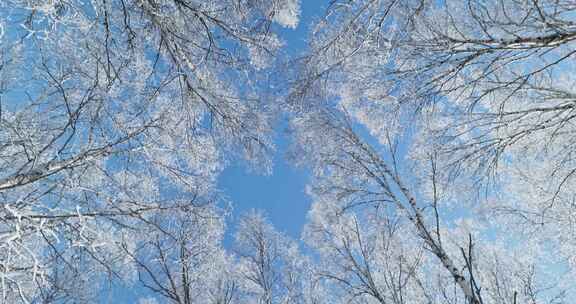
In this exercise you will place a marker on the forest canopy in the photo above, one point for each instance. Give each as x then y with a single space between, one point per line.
438 136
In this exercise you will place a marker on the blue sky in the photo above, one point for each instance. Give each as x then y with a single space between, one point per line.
282 194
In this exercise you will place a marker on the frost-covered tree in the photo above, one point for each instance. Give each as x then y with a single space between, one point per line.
385 235
271 268
181 259
366 256
439 134
468 115
114 113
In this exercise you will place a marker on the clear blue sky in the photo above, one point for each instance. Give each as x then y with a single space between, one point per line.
281 195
